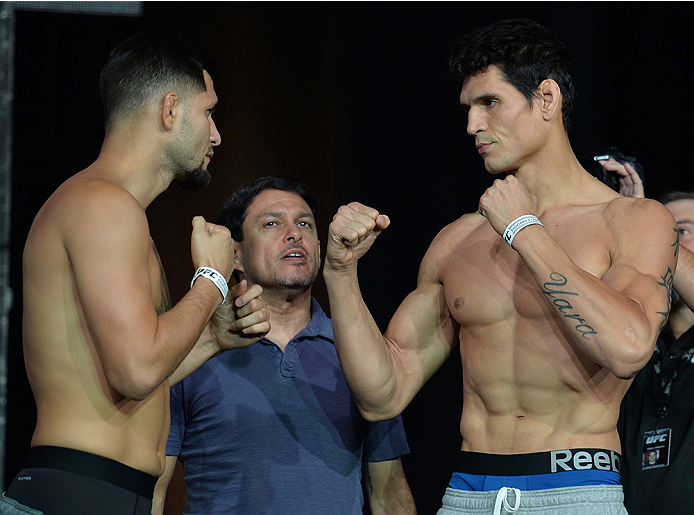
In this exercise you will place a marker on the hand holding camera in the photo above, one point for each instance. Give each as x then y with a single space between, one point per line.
621 173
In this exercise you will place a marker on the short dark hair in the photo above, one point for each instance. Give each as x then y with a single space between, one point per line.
235 208
147 62
525 51
676 195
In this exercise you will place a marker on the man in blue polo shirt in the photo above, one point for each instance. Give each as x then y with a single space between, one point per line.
272 428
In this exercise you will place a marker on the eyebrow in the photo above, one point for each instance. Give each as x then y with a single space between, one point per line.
484 96
279 214
479 99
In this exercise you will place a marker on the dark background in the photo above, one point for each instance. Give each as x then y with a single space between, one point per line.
355 99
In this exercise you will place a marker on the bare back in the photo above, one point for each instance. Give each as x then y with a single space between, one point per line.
77 407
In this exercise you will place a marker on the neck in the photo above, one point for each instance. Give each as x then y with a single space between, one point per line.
555 177
290 312
680 321
134 162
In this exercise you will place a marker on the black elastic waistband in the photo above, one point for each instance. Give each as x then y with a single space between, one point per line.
538 462
91 465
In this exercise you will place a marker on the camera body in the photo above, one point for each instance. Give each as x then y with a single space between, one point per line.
611 179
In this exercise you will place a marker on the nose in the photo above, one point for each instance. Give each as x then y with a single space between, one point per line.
293 233
475 122
215 137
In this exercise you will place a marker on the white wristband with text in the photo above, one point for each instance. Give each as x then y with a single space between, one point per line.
519 223
214 276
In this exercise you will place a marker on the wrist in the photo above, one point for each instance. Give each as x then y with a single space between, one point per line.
341 272
209 341
518 225
216 277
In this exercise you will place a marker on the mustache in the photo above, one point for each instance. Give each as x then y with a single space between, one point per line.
293 246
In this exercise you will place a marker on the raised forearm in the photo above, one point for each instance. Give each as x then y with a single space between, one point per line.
157 351
613 330
205 348
363 352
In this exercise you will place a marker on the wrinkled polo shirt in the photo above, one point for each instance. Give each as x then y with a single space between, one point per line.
261 431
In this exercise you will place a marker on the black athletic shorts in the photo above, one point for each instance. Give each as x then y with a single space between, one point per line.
59 481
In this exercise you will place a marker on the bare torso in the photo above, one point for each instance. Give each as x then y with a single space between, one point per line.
526 387
77 408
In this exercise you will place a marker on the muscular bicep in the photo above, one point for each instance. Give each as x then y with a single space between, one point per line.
644 264
422 333
109 252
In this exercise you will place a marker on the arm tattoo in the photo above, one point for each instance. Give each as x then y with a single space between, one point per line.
666 282
555 289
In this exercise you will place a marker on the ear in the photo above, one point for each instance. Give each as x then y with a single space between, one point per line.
170 106
238 265
550 99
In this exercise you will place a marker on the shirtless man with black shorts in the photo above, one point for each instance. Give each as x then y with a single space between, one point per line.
100 337
555 292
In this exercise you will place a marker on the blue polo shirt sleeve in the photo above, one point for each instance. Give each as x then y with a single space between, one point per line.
385 440
178 426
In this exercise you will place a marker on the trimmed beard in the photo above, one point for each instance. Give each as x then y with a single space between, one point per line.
194 180
294 285
291 283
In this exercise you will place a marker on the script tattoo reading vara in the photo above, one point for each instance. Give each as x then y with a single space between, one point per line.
555 290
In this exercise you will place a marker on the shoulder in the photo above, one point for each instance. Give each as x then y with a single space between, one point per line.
83 208
83 196
94 207
454 232
640 220
96 195
637 208
448 239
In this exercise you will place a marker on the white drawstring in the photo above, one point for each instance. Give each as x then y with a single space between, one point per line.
502 498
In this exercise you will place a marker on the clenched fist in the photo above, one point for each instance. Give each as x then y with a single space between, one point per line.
351 234
505 201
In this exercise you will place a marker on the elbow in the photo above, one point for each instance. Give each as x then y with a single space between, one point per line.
372 416
627 369
134 391
377 413
381 404
632 361
135 383
625 373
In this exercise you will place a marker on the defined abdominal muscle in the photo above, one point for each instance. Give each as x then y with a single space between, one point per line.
557 423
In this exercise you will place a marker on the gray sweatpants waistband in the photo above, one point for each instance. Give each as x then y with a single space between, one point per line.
577 500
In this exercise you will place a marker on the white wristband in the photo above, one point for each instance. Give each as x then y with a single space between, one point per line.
215 277
519 223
